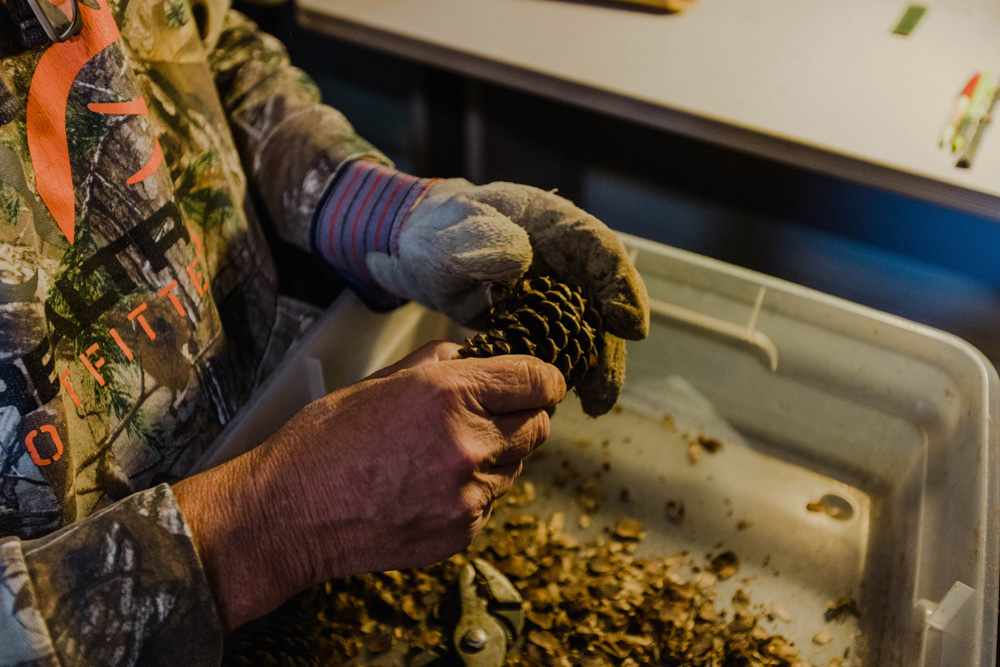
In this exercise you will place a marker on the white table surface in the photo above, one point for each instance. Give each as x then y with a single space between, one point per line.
820 84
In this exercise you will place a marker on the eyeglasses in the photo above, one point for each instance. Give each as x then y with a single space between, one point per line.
60 19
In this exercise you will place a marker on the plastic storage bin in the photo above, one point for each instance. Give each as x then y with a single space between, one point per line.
816 399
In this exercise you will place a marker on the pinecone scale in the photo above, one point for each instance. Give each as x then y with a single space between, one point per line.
544 318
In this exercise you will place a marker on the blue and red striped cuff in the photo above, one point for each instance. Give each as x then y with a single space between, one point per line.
364 211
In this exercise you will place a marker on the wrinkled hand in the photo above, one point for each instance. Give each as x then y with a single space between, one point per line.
398 470
461 237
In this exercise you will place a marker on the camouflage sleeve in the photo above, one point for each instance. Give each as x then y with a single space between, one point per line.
290 143
121 587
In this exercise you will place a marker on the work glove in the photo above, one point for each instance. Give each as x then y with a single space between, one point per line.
443 243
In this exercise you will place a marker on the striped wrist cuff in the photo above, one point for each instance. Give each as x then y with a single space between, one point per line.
364 211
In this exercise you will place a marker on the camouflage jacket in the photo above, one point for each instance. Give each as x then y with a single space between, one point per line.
138 308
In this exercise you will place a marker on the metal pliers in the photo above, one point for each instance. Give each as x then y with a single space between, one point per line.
492 618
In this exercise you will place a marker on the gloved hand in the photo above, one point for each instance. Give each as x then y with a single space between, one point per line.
442 243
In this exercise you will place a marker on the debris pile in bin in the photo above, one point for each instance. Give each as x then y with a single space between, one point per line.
590 604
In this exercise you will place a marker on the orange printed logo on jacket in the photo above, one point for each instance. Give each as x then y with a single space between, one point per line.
46 114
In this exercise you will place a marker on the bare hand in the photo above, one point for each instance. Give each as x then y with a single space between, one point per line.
396 471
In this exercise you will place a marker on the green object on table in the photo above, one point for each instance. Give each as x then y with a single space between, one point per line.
978 107
910 18
969 154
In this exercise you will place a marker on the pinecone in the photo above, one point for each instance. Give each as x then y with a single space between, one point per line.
547 319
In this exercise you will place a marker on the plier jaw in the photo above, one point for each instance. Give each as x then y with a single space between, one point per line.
492 618
490 623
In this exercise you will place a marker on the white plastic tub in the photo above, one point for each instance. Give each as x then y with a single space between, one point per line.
813 398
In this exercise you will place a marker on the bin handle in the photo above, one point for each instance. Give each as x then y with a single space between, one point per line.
746 335
940 615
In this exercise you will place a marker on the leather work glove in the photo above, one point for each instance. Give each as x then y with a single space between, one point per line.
442 243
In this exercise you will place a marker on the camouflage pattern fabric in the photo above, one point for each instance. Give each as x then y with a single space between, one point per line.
139 307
